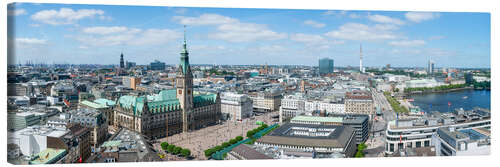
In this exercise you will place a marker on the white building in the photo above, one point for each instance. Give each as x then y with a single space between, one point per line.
33 139
337 107
236 106
451 142
415 133
291 106
481 79
422 83
396 78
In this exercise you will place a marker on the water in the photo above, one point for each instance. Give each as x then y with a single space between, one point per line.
439 101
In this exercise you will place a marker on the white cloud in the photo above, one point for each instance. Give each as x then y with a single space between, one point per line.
65 15
362 32
205 19
31 41
109 30
410 43
312 39
118 35
385 19
421 16
16 12
231 29
313 23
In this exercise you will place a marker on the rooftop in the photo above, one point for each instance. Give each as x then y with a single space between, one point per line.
310 135
317 119
48 156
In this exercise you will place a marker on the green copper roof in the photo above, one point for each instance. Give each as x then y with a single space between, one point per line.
165 101
112 143
48 156
93 105
105 102
184 55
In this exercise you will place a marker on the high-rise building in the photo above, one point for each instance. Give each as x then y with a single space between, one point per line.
157 65
122 64
430 67
325 66
469 78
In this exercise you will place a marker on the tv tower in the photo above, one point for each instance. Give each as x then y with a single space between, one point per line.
361 59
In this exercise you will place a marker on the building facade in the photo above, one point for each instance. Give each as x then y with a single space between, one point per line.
359 102
170 111
236 106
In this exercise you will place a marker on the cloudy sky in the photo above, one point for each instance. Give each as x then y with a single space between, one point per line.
96 34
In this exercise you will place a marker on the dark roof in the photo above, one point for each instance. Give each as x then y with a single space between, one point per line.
339 138
249 153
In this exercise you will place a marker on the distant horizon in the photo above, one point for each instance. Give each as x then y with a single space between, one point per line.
356 67
97 34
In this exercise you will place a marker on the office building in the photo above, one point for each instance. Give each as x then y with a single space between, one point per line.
464 142
236 106
325 66
94 120
359 102
417 132
306 140
131 82
157 66
358 122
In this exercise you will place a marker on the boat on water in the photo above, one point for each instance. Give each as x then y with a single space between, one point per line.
465 97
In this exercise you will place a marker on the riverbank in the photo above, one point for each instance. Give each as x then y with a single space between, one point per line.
439 91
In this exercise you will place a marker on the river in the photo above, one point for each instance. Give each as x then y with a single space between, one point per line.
466 99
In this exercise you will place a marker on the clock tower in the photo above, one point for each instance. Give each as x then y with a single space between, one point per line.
184 85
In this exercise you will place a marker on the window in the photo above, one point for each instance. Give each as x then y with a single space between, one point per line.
427 143
418 144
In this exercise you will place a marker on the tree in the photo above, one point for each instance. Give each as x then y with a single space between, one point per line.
233 141
360 153
250 133
186 152
239 138
177 150
209 152
170 148
218 148
164 145
225 144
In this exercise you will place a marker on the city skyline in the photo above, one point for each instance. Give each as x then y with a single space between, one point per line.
97 34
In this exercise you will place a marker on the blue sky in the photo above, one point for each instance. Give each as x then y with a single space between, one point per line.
96 34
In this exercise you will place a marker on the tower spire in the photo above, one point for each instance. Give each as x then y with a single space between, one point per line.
360 58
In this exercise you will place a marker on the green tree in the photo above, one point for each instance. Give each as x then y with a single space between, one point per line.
164 145
209 152
239 138
218 148
225 144
170 148
186 152
177 150
233 141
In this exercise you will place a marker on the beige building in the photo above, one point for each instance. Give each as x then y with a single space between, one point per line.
359 102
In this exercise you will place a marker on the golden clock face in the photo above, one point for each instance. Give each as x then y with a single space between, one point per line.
180 91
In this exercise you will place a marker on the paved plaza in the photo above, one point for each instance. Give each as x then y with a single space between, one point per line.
200 140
